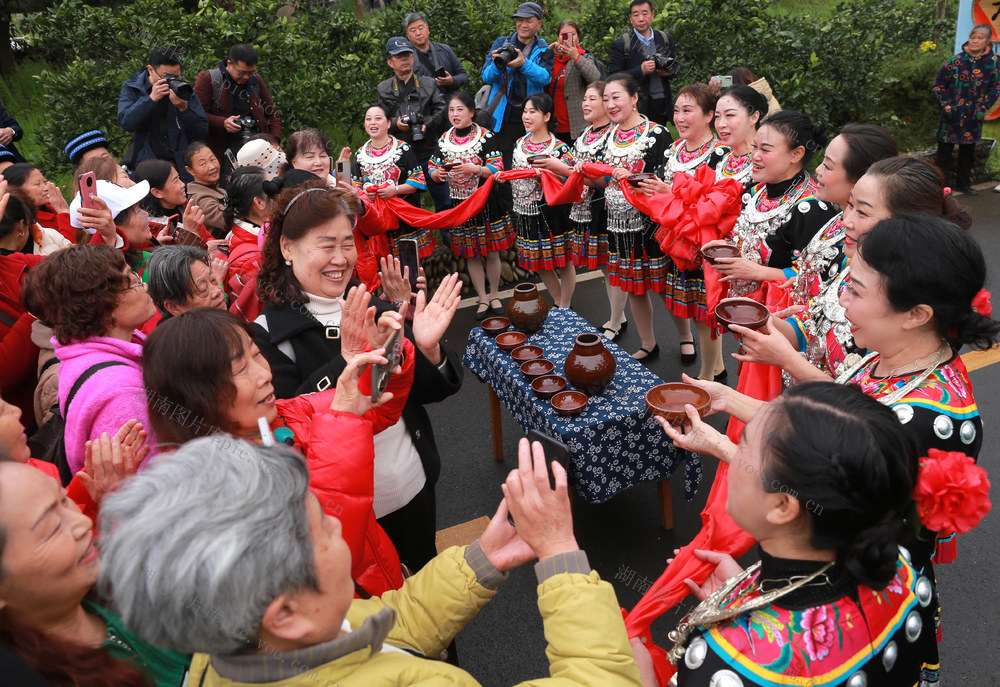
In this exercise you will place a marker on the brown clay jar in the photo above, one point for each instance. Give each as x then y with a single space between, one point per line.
590 366
527 309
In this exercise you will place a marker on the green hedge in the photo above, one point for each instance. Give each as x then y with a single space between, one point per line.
322 64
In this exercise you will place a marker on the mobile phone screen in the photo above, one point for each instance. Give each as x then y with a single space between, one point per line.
408 257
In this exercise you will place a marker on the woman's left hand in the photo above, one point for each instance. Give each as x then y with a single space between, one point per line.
388 192
109 460
654 185
766 345
431 318
219 269
644 662
348 397
699 436
620 174
738 268
353 313
395 279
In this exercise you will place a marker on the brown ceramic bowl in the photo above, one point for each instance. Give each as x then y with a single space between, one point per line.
569 402
538 158
742 311
636 179
448 166
536 368
494 325
508 341
527 352
713 253
668 401
548 386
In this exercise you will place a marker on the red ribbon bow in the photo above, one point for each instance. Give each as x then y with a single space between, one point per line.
981 303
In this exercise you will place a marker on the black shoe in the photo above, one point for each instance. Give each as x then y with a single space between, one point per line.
498 309
650 355
688 358
482 311
968 190
615 334
721 377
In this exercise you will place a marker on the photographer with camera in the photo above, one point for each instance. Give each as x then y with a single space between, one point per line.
237 103
517 66
417 111
649 57
160 110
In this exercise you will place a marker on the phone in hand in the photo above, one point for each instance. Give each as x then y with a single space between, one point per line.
88 189
382 373
440 72
344 171
724 81
555 452
172 223
566 37
408 257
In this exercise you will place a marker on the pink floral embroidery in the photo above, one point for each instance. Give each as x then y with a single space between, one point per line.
819 632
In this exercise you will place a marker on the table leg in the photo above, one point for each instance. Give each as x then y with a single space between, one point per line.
496 429
665 500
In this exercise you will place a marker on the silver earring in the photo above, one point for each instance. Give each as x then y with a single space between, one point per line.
288 262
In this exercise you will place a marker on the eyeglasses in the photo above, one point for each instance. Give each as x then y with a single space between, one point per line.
245 72
135 281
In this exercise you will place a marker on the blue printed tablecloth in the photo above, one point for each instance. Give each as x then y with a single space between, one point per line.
615 442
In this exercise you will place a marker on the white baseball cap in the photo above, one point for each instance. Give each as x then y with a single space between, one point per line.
260 153
116 197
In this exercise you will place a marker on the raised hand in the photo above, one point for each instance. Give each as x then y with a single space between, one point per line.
699 436
109 460
348 397
395 279
431 318
193 218
353 312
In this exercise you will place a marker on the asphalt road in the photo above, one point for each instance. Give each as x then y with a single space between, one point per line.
505 644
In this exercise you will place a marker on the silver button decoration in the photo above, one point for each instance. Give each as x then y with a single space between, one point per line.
859 679
804 207
904 413
967 432
725 678
943 426
905 553
925 591
914 623
889 656
694 657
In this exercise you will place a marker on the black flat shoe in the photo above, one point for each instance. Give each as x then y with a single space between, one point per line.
721 377
968 190
497 309
650 354
688 358
482 311
615 334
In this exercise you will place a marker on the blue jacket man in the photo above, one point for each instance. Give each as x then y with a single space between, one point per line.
528 73
162 123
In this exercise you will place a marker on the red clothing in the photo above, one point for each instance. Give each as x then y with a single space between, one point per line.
557 89
18 354
75 491
50 219
340 452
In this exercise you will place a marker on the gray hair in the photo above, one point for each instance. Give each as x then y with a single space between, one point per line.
982 28
169 274
194 548
412 17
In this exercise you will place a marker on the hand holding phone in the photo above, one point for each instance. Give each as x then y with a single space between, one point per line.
344 171
88 189
409 258
382 373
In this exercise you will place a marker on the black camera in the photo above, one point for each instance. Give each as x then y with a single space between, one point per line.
506 54
415 120
248 127
182 89
664 62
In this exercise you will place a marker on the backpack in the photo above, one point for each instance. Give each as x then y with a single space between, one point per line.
49 442
216 75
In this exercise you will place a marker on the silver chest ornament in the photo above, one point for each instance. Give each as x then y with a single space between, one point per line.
622 217
378 169
828 315
815 259
725 171
585 151
672 162
528 192
460 184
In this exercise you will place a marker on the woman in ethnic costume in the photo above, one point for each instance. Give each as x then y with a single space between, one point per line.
469 152
737 115
781 213
386 159
636 264
822 480
694 112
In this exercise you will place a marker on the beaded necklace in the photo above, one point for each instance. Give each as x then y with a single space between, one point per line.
679 159
588 148
737 167
377 164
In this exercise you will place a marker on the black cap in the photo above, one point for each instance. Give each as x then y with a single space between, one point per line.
397 45
529 9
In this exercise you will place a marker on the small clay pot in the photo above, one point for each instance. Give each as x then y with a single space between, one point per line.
668 401
569 402
590 366
536 368
713 253
745 312
636 179
548 386
508 341
527 309
527 352
494 325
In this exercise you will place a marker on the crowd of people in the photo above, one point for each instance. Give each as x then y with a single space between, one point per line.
216 462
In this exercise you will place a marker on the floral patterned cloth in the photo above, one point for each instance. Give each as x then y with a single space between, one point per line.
615 442
970 85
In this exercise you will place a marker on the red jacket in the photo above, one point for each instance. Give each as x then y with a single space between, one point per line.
59 221
341 454
18 355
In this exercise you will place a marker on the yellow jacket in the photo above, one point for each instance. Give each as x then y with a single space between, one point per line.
587 643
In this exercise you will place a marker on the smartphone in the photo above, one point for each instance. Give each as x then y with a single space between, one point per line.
724 81
408 257
232 158
344 171
382 373
172 223
566 36
555 450
88 189
440 72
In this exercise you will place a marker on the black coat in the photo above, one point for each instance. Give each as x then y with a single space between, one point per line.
630 62
8 120
424 98
318 363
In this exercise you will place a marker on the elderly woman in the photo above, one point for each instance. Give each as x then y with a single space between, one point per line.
45 199
48 565
246 509
308 261
822 480
94 303
309 150
184 277
29 187
167 197
573 68
966 87
205 375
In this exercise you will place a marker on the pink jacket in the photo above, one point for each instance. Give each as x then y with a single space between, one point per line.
110 398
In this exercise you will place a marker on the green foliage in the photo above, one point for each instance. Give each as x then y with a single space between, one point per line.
911 113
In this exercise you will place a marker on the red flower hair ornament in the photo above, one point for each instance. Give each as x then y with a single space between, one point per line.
981 303
952 493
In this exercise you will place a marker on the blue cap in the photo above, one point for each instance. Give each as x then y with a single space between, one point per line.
397 45
88 140
7 155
